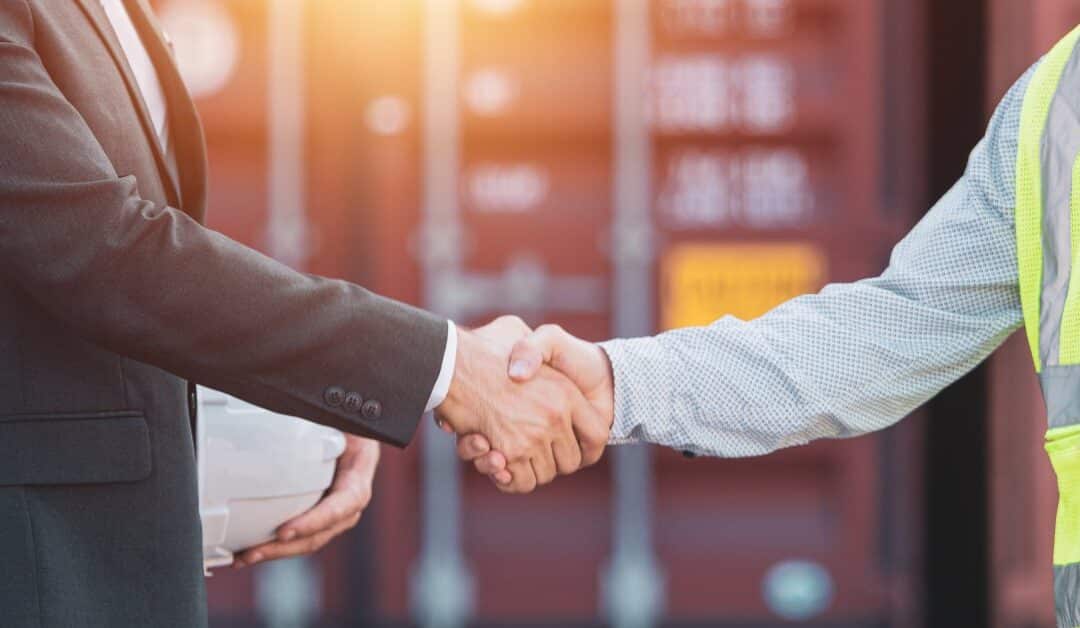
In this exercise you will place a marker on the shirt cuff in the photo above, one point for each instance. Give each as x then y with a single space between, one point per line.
446 373
623 430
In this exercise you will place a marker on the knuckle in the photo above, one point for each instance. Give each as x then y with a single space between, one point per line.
553 407
593 438
342 509
567 396
515 451
478 444
486 467
297 526
537 438
514 321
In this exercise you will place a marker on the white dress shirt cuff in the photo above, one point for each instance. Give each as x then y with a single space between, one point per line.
446 373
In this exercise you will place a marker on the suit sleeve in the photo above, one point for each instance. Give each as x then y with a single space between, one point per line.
147 281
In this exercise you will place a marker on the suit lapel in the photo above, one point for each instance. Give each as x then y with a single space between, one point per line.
97 16
186 129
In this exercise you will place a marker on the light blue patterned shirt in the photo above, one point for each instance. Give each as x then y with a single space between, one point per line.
853 358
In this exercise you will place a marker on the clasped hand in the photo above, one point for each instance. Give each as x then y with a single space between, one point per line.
528 406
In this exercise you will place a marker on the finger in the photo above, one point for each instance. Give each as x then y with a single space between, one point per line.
339 505
567 455
590 431
299 547
490 464
524 478
547 345
526 358
472 446
504 331
502 478
544 466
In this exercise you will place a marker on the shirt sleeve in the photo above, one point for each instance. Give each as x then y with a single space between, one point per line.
853 358
446 371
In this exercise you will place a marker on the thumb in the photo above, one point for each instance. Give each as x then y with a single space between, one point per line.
526 358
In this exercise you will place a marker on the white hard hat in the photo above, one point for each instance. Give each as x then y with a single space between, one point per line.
257 470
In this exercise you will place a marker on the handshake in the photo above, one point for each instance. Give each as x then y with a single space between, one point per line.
528 405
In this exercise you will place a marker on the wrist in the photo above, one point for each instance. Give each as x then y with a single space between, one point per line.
606 390
462 382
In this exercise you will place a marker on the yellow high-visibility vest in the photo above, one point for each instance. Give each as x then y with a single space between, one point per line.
1048 242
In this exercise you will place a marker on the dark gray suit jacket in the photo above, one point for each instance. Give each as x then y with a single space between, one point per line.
112 298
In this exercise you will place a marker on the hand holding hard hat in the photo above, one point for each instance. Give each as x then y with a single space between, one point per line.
339 511
262 476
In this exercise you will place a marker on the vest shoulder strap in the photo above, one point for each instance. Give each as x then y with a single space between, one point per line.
1029 184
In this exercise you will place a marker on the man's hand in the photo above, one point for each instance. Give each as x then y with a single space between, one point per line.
584 363
339 510
542 428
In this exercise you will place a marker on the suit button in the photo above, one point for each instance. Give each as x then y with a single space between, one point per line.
372 409
353 402
334 396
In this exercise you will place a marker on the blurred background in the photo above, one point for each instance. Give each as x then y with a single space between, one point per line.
622 167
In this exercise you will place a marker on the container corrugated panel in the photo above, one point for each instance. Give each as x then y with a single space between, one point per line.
790 165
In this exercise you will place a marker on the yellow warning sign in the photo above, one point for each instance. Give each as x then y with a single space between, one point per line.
702 282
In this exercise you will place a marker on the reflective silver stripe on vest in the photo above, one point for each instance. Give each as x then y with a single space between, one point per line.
1060 386
1067 581
1060 146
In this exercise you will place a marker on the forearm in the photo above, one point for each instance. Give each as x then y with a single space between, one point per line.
854 358
850 360
811 369
146 281
152 284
